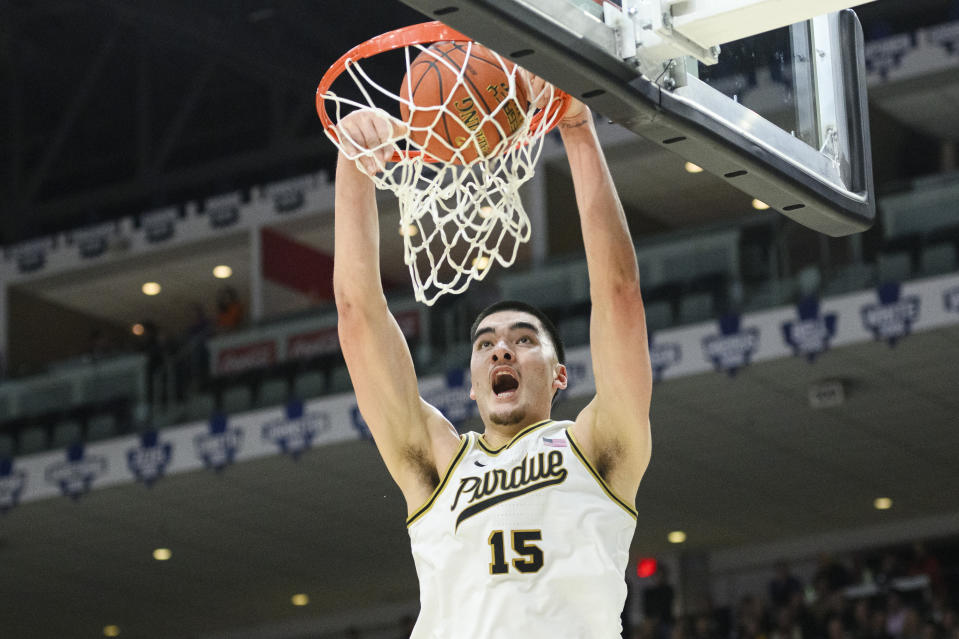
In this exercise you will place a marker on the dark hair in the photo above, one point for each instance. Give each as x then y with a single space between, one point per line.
513 305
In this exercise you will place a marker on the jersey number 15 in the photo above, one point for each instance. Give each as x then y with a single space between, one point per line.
530 557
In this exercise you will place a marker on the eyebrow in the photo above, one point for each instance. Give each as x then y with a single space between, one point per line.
515 326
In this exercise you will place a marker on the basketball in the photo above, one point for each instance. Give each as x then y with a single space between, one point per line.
475 120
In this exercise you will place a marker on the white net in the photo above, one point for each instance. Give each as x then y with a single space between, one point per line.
460 207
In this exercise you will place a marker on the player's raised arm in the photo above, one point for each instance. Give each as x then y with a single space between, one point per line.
413 438
614 427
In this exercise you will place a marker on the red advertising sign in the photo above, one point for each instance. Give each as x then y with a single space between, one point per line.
312 344
247 357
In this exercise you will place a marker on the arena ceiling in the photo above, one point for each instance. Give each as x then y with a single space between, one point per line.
115 107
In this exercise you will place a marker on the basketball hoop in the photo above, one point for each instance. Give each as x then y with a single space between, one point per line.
459 201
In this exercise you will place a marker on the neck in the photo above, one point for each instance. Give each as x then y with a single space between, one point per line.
498 435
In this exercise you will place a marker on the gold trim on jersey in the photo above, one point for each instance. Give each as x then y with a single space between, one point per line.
602 482
464 445
516 437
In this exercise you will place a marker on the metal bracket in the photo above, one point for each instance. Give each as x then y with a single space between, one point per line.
644 30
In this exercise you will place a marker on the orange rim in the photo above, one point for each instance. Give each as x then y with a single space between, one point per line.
423 33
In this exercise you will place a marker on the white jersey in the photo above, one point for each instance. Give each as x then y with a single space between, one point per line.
521 542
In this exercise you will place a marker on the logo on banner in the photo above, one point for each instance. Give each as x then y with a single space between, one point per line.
454 399
32 256
295 432
734 347
882 56
93 242
663 355
950 298
76 475
158 226
223 216
946 36
287 200
149 460
359 424
809 335
218 447
892 318
11 485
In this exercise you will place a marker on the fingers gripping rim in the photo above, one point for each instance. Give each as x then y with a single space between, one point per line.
417 34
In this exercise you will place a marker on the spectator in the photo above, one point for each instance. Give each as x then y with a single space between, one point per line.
704 627
889 568
911 624
229 309
950 623
877 625
154 345
783 586
750 619
834 574
195 356
923 563
658 603
836 628
860 617
895 614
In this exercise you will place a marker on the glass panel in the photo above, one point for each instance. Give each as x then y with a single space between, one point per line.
770 74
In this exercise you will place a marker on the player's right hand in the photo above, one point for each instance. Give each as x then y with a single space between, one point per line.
541 93
367 136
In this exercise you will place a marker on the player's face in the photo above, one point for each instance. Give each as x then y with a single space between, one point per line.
514 369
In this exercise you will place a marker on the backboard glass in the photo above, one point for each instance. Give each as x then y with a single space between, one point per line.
779 114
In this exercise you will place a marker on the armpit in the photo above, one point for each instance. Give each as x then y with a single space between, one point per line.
420 461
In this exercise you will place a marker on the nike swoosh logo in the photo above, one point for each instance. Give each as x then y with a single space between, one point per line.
479 464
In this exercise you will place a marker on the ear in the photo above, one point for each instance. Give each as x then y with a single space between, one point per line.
560 380
472 393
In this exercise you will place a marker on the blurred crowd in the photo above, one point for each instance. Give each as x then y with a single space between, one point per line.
895 594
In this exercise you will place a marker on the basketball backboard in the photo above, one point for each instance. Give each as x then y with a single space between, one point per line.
750 90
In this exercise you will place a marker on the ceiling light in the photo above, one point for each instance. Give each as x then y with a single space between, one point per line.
485 211
162 554
151 288
410 230
111 631
759 205
693 168
222 271
481 263
676 537
137 329
882 503
300 599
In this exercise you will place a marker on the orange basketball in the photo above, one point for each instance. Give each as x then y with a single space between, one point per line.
431 81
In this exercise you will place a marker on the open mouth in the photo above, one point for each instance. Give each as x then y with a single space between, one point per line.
505 382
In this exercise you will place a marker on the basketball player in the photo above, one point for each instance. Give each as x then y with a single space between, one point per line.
523 531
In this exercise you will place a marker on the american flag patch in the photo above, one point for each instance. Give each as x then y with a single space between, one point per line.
555 443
